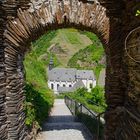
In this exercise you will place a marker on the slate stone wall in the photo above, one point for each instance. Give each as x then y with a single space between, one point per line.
3 118
24 21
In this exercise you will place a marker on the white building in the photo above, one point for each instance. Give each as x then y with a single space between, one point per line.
62 80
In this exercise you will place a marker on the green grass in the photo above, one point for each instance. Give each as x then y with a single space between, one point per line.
93 100
39 99
71 41
90 56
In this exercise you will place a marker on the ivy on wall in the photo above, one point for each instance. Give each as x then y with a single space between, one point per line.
138 13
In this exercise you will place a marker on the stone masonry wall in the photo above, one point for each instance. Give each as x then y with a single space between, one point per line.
24 21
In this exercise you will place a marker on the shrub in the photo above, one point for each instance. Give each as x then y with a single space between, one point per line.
37 105
94 100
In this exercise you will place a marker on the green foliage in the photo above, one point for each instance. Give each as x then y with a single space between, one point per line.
93 38
38 104
39 99
91 55
69 41
138 13
98 96
97 71
73 39
94 100
43 43
60 96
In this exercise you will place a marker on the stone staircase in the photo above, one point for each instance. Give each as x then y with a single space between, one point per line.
64 126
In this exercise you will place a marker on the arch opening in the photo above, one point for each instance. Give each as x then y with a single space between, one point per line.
45 52
20 32
28 26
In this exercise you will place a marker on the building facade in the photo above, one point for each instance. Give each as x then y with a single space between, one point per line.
62 80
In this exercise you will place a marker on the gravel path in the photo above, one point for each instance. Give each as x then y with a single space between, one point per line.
62 125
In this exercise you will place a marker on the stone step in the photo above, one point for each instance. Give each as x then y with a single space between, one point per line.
65 131
68 118
72 125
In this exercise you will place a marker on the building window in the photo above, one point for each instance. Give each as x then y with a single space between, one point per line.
91 85
70 85
57 86
52 86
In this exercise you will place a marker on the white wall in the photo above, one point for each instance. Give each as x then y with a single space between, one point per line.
60 83
87 84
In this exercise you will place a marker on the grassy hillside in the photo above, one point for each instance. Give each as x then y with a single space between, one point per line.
91 57
70 41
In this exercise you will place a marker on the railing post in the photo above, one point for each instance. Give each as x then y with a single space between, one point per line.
75 108
80 108
71 106
98 127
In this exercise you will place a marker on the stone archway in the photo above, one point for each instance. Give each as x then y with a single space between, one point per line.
31 22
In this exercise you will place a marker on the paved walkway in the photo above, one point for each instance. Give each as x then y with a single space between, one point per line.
62 125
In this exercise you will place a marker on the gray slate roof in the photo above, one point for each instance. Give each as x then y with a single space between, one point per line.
85 74
62 74
69 74
65 89
77 85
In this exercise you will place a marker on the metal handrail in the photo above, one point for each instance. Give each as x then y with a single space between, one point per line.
70 102
80 104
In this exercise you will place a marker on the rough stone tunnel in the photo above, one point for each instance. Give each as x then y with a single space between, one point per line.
114 22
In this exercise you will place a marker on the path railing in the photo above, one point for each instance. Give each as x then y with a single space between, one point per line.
87 116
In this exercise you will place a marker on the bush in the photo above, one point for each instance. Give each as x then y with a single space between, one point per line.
94 100
37 105
98 96
39 99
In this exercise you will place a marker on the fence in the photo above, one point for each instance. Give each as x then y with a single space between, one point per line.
93 121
